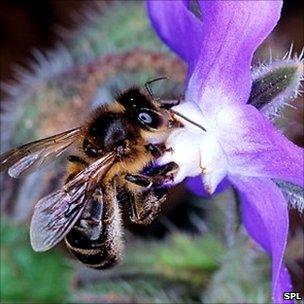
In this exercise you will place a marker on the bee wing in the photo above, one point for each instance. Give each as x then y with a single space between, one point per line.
53 218
56 214
32 155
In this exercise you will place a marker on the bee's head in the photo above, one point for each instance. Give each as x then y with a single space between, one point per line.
143 111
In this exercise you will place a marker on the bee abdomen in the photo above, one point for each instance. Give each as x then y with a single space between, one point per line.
94 254
96 239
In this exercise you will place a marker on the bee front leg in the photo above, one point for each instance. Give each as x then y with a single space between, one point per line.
157 177
140 180
157 150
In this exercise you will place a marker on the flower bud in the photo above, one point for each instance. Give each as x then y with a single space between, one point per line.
275 85
294 194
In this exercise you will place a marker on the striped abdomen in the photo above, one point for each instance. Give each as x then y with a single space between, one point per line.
96 240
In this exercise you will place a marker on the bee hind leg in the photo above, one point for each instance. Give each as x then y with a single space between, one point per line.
144 206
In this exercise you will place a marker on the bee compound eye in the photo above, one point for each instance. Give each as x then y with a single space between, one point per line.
145 118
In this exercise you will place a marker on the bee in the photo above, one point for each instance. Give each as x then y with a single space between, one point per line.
113 148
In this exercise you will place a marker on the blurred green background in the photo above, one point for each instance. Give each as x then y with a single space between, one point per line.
197 251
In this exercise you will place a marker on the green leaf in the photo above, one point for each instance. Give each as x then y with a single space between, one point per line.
30 276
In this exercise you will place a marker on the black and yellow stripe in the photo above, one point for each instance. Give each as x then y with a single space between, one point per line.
105 251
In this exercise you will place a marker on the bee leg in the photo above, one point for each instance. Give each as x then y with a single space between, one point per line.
156 178
157 150
145 206
140 180
163 174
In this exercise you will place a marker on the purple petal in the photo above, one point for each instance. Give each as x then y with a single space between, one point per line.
177 27
254 147
232 31
265 216
195 184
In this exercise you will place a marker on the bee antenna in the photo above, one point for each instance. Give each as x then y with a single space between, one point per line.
188 119
148 85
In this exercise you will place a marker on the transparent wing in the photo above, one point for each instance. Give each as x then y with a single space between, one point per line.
56 214
32 155
53 218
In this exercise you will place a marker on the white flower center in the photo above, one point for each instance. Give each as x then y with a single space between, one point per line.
194 150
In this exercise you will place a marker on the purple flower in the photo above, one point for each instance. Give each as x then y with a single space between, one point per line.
240 144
